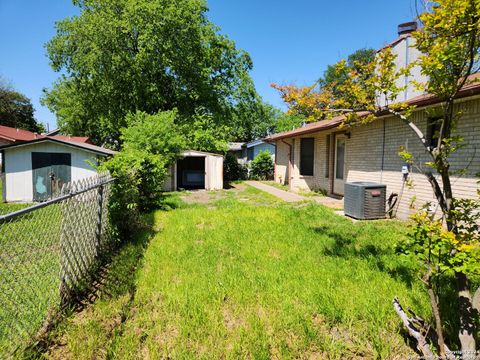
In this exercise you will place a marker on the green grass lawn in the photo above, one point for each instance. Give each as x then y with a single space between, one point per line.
29 282
247 276
276 184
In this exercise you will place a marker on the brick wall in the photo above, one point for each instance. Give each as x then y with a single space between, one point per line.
370 157
281 161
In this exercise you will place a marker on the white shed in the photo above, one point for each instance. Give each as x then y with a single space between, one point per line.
196 170
33 170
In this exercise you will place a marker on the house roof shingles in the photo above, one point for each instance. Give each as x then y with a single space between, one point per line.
13 135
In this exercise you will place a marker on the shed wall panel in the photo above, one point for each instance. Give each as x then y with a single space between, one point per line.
18 168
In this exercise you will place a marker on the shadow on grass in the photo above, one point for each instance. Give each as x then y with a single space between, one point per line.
112 280
345 245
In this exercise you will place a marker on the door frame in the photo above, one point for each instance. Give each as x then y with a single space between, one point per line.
333 159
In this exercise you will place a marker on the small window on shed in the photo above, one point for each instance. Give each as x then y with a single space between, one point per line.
433 131
306 156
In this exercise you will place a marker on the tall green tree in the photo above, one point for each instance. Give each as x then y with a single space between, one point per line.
122 56
16 110
310 101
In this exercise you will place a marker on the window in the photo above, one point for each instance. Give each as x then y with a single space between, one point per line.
433 131
250 154
306 156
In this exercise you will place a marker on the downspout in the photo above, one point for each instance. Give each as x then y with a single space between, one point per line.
275 164
289 164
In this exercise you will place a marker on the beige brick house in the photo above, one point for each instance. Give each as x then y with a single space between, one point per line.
324 155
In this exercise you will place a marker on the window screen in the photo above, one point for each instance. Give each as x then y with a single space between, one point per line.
306 156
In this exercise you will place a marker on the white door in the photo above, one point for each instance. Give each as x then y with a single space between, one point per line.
339 165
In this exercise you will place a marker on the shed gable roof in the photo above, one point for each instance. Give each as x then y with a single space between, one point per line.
84 146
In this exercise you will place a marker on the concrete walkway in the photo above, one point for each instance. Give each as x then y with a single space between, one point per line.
281 194
292 197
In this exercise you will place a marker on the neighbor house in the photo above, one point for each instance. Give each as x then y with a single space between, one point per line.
324 155
34 169
195 170
246 152
255 147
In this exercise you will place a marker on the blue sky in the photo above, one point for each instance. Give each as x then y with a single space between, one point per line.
289 41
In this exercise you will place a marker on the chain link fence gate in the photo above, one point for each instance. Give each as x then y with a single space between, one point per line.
49 252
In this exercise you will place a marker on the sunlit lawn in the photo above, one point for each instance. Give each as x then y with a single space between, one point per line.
250 277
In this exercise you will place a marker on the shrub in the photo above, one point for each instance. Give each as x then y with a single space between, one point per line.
261 168
151 143
232 170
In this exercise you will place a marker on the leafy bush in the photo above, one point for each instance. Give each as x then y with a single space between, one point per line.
232 170
151 143
261 168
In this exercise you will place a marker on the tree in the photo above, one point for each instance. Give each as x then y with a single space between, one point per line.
355 62
122 56
203 133
309 101
16 110
449 41
232 169
287 122
150 144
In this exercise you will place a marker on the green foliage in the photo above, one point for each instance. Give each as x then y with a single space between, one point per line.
262 167
123 56
150 145
203 133
232 170
356 62
287 122
443 251
16 110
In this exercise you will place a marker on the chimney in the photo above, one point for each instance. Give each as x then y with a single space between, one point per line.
407 28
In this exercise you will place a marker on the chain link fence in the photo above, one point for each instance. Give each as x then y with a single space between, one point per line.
49 253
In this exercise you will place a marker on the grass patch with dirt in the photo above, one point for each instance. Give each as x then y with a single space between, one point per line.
248 276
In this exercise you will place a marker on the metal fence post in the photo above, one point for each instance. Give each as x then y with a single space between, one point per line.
99 219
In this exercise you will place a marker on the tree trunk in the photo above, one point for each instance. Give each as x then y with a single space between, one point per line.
466 313
438 321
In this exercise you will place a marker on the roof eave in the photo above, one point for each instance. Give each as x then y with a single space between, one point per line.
66 143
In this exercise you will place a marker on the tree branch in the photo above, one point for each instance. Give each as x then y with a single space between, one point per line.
412 126
422 344
437 191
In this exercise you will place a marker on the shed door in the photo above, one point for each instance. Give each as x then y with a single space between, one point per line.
49 172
